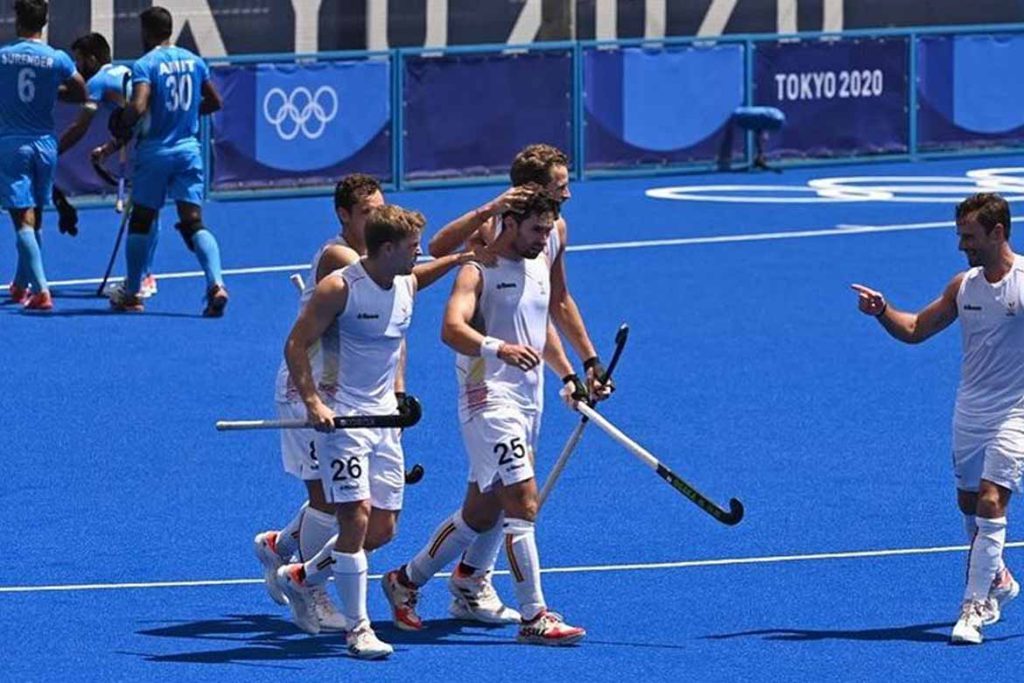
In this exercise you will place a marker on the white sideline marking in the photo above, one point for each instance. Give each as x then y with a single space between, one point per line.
841 229
768 559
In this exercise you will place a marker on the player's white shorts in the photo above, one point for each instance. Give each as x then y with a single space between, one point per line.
999 459
298 446
501 443
362 464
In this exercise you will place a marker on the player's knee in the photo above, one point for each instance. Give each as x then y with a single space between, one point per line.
480 519
990 505
188 228
380 533
354 515
141 220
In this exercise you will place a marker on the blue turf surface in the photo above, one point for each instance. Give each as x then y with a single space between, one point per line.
749 370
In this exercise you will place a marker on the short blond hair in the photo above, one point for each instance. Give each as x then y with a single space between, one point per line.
391 223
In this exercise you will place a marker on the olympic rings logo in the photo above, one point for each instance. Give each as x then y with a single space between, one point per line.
301 111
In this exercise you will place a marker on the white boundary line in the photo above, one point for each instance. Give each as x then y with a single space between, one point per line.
842 229
686 564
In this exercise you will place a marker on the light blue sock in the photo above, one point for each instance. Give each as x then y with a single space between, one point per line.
208 254
30 259
135 252
154 237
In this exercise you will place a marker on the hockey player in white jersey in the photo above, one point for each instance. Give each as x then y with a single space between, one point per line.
988 421
359 316
497 320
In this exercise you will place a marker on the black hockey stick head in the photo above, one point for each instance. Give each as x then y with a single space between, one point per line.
734 515
105 175
621 335
414 475
410 410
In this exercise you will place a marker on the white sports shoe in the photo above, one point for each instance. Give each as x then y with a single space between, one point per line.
147 290
326 613
1004 589
549 628
265 547
300 598
363 643
475 599
403 601
973 615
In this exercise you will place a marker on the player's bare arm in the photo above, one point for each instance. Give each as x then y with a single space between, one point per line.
554 353
72 90
458 332
326 304
569 321
911 328
137 106
78 128
573 388
211 99
452 236
335 257
430 272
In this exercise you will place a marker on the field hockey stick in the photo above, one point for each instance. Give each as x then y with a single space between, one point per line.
113 254
731 516
620 342
409 413
122 154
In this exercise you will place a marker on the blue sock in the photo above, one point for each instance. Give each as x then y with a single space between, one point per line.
30 259
154 237
135 252
208 254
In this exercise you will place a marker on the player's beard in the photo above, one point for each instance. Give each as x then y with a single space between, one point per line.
533 252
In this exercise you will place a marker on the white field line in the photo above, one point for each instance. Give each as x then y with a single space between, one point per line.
685 564
842 229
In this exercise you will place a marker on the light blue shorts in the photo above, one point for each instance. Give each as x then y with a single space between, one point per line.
160 173
27 165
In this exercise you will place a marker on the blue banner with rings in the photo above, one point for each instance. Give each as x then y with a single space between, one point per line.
963 101
302 124
840 97
661 106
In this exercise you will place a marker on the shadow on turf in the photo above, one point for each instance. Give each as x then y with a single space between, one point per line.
918 633
268 638
60 312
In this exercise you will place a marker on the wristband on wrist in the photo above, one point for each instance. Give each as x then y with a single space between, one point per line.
885 307
591 362
490 346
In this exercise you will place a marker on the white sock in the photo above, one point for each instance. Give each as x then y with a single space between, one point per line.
521 547
317 528
986 556
288 538
350 582
318 568
971 528
482 553
445 544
